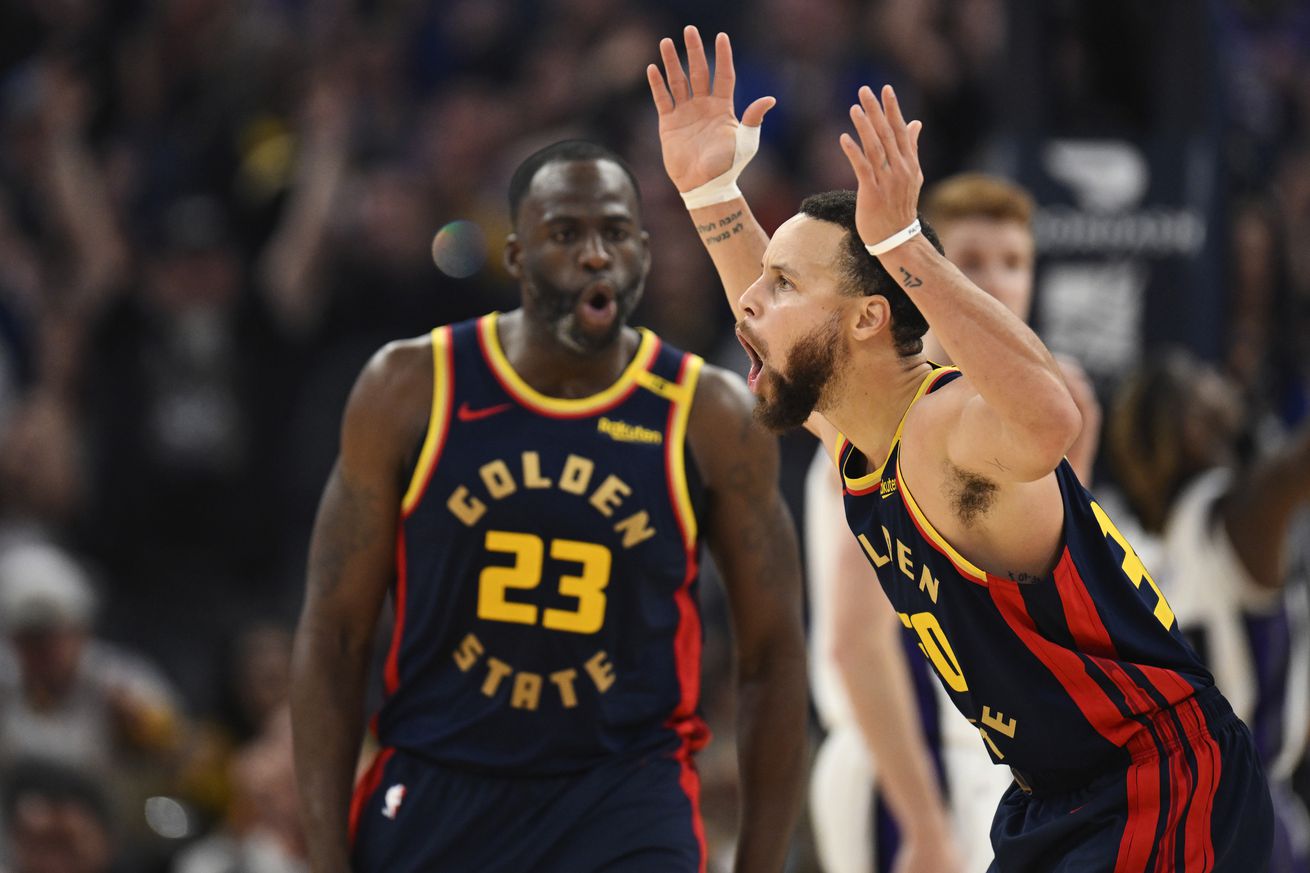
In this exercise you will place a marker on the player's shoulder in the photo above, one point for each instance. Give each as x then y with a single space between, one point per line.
726 441
722 394
394 389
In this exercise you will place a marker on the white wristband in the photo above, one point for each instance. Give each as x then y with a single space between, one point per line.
891 242
723 187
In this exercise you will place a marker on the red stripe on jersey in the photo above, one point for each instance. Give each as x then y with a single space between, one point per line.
1143 788
687 638
1200 856
368 784
689 779
391 671
1092 637
1066 665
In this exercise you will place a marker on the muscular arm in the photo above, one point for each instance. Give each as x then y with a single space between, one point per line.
1258 508
754 544
698 139
1023 418
866 648
351 564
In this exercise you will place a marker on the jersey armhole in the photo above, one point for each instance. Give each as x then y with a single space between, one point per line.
438 420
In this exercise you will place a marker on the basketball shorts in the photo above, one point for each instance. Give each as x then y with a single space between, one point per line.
1193 800
639 814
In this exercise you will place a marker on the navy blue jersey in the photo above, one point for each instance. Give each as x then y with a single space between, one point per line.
1059 675
546 588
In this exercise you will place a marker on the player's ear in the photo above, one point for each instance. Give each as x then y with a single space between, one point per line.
514 256
645 248
872 316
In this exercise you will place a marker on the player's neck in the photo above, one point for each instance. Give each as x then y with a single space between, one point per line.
555 370
871 409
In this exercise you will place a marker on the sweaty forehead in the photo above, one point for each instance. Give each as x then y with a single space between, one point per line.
806 247
580 185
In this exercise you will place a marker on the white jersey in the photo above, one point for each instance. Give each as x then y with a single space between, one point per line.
1255 640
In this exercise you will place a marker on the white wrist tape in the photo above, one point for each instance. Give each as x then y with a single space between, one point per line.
723 187
891 242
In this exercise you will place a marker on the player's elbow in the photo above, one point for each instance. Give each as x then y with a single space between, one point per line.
1053 432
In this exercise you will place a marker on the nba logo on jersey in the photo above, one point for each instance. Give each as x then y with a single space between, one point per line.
394 797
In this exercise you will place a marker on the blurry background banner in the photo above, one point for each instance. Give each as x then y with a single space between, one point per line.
1121 148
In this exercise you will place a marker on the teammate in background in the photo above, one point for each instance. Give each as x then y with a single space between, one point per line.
533 488
1228 562
928 763
1037 615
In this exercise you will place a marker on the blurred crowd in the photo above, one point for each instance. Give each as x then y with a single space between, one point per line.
212 212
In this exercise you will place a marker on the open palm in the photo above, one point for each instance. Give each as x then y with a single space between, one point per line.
698 127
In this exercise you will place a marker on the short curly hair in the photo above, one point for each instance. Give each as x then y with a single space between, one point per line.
864 274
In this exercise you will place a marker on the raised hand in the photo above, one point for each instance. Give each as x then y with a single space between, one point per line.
698 126
886 165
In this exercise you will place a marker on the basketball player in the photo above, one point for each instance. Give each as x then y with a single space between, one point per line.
1037 615
533 489
1229 560
984 224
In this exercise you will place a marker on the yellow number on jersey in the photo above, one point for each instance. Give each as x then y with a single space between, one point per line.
587 587
525 574
1133 567
933 643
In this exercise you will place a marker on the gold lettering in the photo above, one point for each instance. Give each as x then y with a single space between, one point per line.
601 671
563 680
903 559
609 495
635 529
467 509
878 560
576 475
470 649
928 583
527 691
999 721
496 671
991 744
532 477
498 479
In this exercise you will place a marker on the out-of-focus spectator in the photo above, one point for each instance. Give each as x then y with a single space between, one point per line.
262 831
57 820
66 696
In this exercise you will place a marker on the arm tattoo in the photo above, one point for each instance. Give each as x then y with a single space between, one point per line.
910 281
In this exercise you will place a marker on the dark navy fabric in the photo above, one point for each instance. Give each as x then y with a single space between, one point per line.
628 814
545 498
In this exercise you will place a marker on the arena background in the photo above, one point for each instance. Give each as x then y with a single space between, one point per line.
211 212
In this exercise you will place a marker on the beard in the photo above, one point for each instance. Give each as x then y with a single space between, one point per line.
556 307
812 363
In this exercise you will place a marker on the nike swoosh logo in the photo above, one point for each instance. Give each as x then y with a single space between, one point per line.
466 414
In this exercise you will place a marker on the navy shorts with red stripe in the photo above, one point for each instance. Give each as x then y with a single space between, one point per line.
638 814
1193 800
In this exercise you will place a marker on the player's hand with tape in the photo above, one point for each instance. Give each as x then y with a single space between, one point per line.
886 164
705 146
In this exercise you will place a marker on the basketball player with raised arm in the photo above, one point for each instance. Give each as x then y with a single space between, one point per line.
533 489
1038 617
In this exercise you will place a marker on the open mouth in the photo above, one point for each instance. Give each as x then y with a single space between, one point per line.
597 305
757 362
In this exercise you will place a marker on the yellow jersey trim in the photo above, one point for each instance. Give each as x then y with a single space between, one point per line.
575 406
963 564
868 480
438 420
677 442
